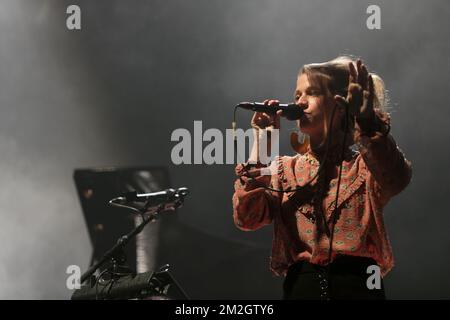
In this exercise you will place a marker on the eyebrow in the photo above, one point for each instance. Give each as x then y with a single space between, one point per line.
309 88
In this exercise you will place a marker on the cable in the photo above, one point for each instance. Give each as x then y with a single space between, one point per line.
115 204
99 278
334 214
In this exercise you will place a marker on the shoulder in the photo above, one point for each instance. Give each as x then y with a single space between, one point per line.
287 163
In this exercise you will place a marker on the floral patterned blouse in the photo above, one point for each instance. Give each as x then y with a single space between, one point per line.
302 219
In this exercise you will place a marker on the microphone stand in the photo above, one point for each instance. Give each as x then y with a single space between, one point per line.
116 252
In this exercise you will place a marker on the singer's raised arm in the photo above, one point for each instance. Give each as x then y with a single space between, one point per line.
390 171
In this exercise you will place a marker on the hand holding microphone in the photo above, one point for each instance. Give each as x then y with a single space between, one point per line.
266 119
268 116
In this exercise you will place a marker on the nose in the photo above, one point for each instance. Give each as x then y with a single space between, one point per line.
302 103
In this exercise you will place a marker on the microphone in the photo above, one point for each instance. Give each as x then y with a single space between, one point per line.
291 111
154 198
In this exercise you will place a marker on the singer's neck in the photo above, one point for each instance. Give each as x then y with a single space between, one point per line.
318 144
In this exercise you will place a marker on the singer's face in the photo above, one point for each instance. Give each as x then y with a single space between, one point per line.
313 101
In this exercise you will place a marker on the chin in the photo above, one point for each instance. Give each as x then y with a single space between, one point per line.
304 129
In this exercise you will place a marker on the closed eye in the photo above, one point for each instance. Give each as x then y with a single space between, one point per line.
311 91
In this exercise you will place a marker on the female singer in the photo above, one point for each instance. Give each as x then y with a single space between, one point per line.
323 250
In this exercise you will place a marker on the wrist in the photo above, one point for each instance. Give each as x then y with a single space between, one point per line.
378 123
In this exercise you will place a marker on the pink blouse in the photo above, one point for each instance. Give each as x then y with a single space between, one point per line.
369 179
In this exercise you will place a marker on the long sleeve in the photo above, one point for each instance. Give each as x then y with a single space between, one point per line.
390 171
253 205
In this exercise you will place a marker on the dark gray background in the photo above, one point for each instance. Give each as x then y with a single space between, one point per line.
112 93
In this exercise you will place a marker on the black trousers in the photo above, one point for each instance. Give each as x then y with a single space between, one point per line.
344 279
